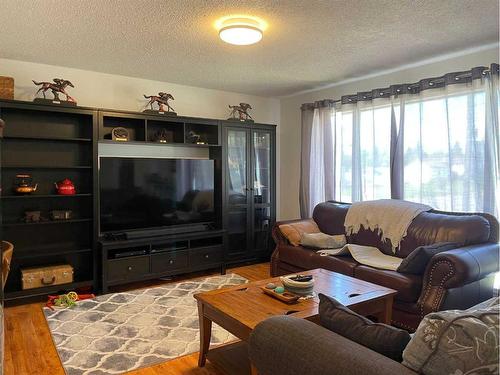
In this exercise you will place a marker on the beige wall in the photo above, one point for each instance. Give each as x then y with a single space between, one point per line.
290 115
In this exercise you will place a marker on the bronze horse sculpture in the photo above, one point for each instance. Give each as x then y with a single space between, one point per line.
242 112
59 86
162 100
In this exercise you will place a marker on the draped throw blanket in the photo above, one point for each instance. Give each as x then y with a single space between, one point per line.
366 255
390 218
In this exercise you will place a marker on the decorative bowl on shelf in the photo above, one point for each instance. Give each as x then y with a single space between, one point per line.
301 285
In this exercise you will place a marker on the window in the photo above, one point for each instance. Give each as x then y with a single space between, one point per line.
443 157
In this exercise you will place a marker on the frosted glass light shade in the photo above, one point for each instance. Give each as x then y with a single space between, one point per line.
240 31
240 35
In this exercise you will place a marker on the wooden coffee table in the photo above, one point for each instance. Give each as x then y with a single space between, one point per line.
239 309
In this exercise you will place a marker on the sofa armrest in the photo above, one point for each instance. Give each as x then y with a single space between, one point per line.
456 268
284 345
278 236
279 240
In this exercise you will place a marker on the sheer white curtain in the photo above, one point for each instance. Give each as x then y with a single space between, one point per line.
492 143
317 163
444 138
439 146
346 153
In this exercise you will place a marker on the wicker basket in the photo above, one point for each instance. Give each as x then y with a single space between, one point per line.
6 87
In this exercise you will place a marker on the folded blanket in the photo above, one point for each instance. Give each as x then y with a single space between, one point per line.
388 217
366 255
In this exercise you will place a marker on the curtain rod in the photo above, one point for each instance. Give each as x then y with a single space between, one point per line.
409 88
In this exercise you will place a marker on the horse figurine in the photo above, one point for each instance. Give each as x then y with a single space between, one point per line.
240 112
162 100
59 86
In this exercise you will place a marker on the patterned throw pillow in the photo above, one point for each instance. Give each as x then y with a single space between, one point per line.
294 231
457 342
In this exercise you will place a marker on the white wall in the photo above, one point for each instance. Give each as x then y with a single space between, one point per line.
290 114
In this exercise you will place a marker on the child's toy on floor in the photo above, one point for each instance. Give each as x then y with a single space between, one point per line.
64 301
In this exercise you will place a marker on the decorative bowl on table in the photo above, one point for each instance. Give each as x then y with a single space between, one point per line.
301 285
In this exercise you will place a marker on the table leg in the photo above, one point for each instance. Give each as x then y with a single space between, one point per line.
205 335
386 315
253 370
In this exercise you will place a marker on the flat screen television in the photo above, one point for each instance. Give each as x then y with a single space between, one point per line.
144 193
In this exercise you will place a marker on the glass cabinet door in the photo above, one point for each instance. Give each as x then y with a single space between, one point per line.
262 167
237 166
262 189
237 191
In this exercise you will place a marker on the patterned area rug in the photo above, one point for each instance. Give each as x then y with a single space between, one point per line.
119 332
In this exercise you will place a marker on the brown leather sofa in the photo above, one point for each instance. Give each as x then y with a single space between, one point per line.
454 279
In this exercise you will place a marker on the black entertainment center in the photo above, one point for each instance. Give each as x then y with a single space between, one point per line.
134 218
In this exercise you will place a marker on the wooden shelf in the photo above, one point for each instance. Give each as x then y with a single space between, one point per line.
48 222
47 166
51 143
142 143
56 139
35 196
48 253
37 292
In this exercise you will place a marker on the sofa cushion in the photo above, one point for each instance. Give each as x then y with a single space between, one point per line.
330 217
322 241
416 262
457 342
408 286
307 259
432 227
382 338
294 231
426 229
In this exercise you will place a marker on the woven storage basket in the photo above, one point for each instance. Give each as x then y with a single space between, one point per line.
6 87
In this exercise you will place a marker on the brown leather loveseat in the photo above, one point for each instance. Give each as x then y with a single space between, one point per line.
454 279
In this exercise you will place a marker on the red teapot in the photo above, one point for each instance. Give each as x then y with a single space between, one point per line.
65 187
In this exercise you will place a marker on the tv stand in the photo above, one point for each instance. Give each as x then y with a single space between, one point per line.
165 231
126 260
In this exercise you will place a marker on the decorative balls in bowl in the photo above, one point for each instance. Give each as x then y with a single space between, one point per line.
301 285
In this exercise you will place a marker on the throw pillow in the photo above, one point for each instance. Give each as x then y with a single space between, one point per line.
416 262
456 342
322 240
382 338
294 231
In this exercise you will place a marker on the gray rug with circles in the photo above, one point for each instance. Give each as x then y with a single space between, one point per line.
119 332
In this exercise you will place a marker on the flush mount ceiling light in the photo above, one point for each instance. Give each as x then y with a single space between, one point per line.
241 31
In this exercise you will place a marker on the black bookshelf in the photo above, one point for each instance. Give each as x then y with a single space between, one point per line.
50 143
142 128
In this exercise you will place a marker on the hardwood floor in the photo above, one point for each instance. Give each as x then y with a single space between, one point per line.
29 348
